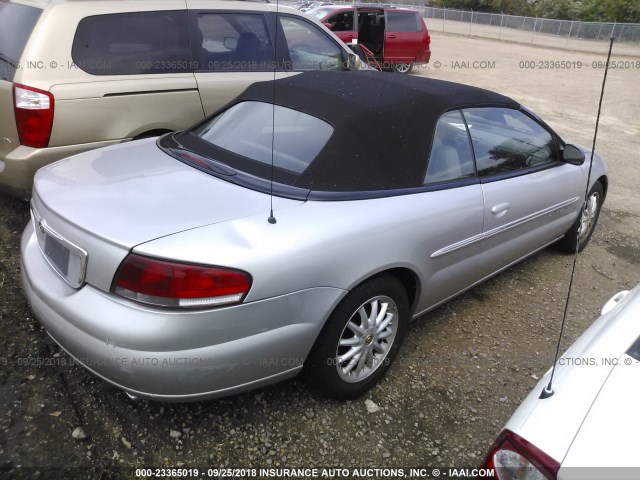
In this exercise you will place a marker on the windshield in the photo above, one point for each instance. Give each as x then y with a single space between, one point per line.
246 131
16 25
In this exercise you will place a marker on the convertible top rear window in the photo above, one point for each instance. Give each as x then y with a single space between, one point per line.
246 129
337 134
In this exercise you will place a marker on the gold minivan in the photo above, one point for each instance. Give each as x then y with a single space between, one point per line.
75 76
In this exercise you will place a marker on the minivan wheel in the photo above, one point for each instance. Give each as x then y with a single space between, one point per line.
580 232
402 67
361 339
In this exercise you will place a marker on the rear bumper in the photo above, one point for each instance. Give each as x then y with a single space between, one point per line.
424 56
170 355
18 166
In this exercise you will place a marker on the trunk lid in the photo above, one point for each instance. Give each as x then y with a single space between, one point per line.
132 193
109 200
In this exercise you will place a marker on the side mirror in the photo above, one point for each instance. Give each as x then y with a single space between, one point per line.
572 154
328 25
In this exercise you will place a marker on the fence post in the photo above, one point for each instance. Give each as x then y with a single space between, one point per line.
500 31
600 31
559 27
569 36
444 18
471 21
534 29
613 29
621 30
579 27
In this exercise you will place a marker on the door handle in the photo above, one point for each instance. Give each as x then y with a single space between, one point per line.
500 209
391 36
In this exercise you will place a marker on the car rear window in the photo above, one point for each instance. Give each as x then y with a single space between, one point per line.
133 43
403 22
246 130
16 25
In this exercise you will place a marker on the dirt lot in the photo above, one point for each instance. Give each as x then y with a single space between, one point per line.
463 370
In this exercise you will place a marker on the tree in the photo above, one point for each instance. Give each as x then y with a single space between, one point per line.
560 9
611 11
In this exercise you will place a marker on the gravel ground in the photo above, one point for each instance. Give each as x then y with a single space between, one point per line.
463 369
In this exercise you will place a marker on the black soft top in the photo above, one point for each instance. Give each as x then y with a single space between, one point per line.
383 124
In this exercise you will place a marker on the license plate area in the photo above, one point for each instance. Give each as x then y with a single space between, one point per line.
67 260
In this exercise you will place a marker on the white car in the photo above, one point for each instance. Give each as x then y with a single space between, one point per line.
588 428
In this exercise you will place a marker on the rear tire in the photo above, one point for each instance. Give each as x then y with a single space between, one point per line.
360 339
578 236
402 67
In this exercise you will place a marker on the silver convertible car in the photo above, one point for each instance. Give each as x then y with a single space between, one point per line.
300 227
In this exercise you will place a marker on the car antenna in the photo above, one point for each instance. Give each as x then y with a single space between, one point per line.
548 390
272 220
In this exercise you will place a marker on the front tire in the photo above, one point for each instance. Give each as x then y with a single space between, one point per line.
360 339
578 236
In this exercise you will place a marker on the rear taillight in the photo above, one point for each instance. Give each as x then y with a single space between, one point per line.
178 285
512 457
34 115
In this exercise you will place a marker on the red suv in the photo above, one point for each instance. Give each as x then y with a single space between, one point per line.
398 38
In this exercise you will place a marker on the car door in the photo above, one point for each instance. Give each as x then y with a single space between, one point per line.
308 46
403 36
343 25
454 207
531 197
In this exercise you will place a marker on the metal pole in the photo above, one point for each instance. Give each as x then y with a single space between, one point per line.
444 18
559 27
569 36
579 27
600 31
613 29
534 29
621 30
471 21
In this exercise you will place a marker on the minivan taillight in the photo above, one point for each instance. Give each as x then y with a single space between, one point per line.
511 456
170 284
34 115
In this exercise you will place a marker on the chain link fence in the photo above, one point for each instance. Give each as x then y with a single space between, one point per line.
587 36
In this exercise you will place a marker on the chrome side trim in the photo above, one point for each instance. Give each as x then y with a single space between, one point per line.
436 305
457 245
503 228
528 218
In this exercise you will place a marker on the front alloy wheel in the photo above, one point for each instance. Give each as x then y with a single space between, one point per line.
360 339
589 216
578 236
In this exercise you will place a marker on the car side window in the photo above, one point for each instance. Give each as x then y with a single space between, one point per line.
133 43
232 42
451 155
341 22
403 22
309 47
506 140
